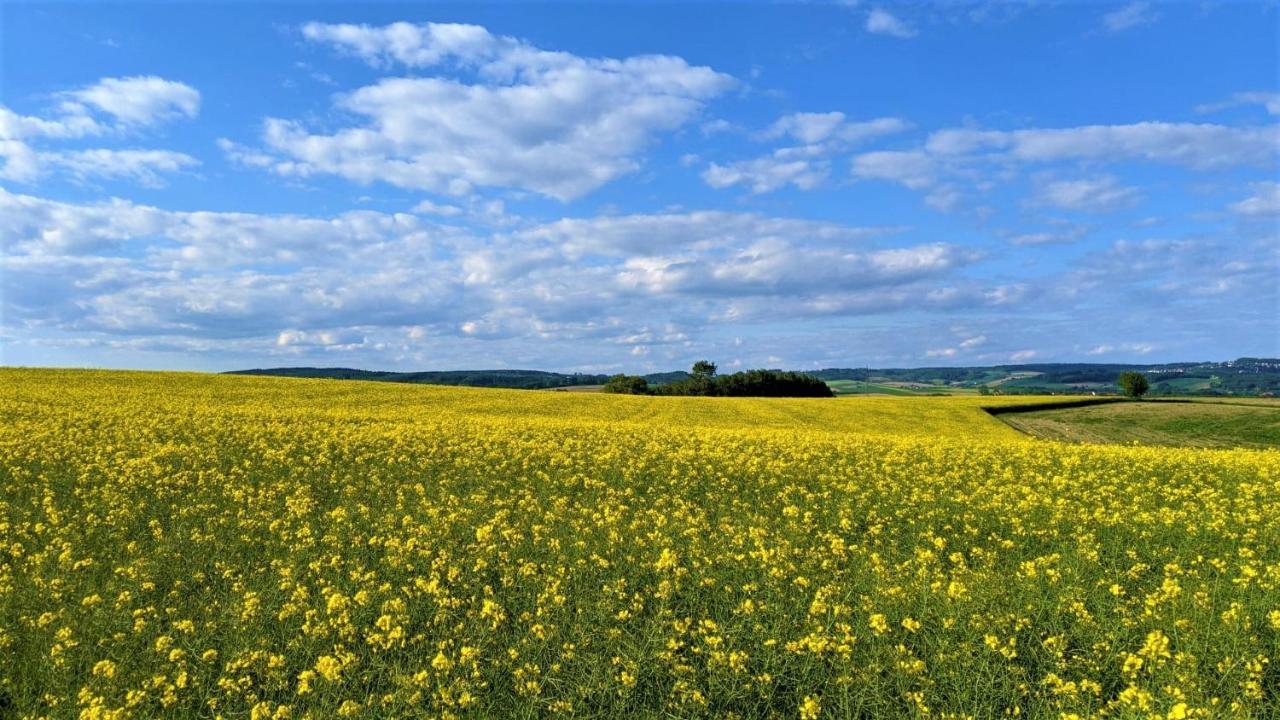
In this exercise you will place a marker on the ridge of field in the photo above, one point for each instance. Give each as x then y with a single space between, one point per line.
1191 424
924 416
179 545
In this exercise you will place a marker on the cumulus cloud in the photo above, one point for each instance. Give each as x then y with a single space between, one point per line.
1198 146
766 174
1264 202
145 167
427 207
804 166
914 169
964 347
779 268
512 116
882 22
698 231
1036 238
1129 16
1134 348
1179 276
341 339
1270 101
979 159
300 284
111 106
806 127
412 45
833 127
23 163
142 100
1100 194
20 127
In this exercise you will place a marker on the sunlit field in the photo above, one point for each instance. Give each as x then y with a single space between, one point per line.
177 545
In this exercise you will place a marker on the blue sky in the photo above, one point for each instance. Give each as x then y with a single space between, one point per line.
626 187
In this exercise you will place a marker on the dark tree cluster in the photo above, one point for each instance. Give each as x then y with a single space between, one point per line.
703 381
1133 384
626 385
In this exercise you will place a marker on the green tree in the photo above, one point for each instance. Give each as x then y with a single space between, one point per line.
703 369
770 383
1133 384
626 385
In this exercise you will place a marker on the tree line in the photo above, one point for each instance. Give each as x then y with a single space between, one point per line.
704 381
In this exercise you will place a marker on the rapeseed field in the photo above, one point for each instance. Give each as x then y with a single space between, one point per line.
177 545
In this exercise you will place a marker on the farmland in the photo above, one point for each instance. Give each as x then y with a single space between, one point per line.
1238 423
177 545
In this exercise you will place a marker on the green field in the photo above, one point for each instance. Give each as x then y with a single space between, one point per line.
863 387
1191 424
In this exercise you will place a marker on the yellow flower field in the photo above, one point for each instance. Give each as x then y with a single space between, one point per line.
177 545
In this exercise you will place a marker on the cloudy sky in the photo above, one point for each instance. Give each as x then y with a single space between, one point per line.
632 187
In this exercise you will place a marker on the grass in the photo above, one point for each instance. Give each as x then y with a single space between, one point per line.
1190 424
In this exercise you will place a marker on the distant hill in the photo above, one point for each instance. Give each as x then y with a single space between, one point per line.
527 379
519 379
1245 376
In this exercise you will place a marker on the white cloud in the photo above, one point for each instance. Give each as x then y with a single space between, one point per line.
298 284
21 161
780 268
142 166
127 104
766 174
806 127
1132 15
624 235
427 207
1139 348
1265 201
1062 232
19 127
944 198
550 122
142 100
832 128
804 166
1023 355
1041 238
193 240
412 45
335 339
914 169
949 352
1101 194
1198 146
884 23
977 160
1270 101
